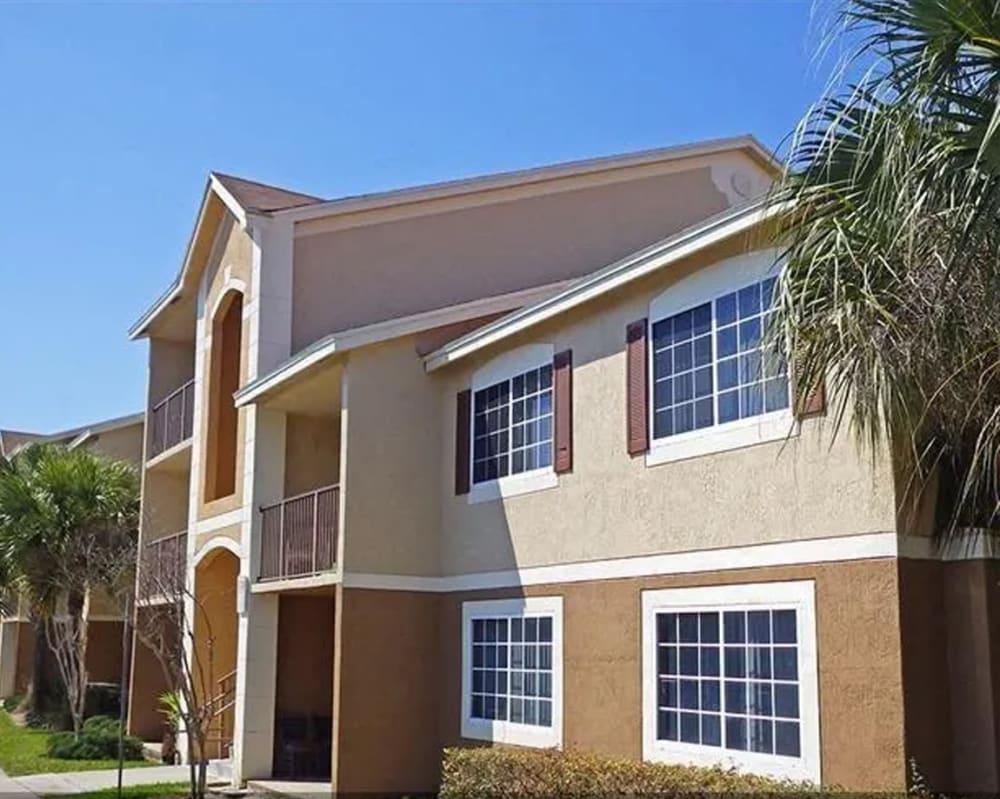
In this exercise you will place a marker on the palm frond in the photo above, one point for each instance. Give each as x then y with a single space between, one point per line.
893 253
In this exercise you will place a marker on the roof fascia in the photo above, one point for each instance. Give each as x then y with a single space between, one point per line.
213 185
503 180
353 338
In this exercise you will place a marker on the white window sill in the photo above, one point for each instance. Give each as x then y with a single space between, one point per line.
791 768
511 733
514 485
721 438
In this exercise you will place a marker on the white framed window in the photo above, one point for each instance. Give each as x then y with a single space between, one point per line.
513 425
716 383
512 671
730 678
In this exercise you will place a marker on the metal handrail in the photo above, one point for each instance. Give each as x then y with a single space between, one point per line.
153 558
299 534
172 419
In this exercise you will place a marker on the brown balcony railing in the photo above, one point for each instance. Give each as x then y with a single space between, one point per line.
172 419
299 535
162 566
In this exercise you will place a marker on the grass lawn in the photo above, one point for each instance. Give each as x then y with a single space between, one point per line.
22 751
162 790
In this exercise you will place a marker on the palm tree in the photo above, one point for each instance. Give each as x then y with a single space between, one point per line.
67 517
893 247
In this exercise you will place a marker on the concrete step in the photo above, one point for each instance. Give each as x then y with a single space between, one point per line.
293 790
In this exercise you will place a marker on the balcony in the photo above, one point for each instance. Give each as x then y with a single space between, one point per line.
171 420
299 535
162 567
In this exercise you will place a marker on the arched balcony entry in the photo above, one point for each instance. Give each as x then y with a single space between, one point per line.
216 633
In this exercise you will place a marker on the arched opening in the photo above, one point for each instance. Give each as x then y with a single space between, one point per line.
216 634
224 381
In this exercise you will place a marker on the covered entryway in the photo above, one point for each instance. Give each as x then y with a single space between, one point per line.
303 713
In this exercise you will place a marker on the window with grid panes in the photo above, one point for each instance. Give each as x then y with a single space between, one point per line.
729 679
712 364
512 669
512 426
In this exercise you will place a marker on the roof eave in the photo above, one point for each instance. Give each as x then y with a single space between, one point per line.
212 186
503 180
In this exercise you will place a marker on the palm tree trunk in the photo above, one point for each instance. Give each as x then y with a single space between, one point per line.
39 699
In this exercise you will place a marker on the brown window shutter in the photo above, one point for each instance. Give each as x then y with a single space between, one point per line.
637 364
463 440
562 381
813 405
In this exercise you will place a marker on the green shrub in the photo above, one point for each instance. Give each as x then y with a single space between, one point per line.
101 725
98 740
509 773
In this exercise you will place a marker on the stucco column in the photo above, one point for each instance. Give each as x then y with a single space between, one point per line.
269 329
255 698
257 649
8 658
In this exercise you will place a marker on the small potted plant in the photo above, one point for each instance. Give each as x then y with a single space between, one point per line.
170 708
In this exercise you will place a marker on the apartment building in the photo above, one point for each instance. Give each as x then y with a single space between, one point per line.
118 439
505 461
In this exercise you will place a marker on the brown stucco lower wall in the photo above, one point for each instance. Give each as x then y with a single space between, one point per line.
950 625
385 737
149 683
923 633
104 651
305 655
388 705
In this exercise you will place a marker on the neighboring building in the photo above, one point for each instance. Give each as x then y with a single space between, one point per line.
503 460
117 439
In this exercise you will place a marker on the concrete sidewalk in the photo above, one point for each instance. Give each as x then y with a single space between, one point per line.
10 788
85 781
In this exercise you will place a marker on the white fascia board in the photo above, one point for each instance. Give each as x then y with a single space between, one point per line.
140 327
609 278
230 201
78 435
353 338
504 180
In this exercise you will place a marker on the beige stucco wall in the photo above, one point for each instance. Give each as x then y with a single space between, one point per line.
121 444
234 532
391 491
164 504
455 255
312 452
231 259
611 505
171 365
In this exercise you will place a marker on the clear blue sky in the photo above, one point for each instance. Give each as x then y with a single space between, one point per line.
111 116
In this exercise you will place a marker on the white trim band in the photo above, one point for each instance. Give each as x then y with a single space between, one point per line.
864 546
213 523
342 341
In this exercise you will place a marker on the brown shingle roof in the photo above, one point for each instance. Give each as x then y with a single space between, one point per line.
12 439
255 196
